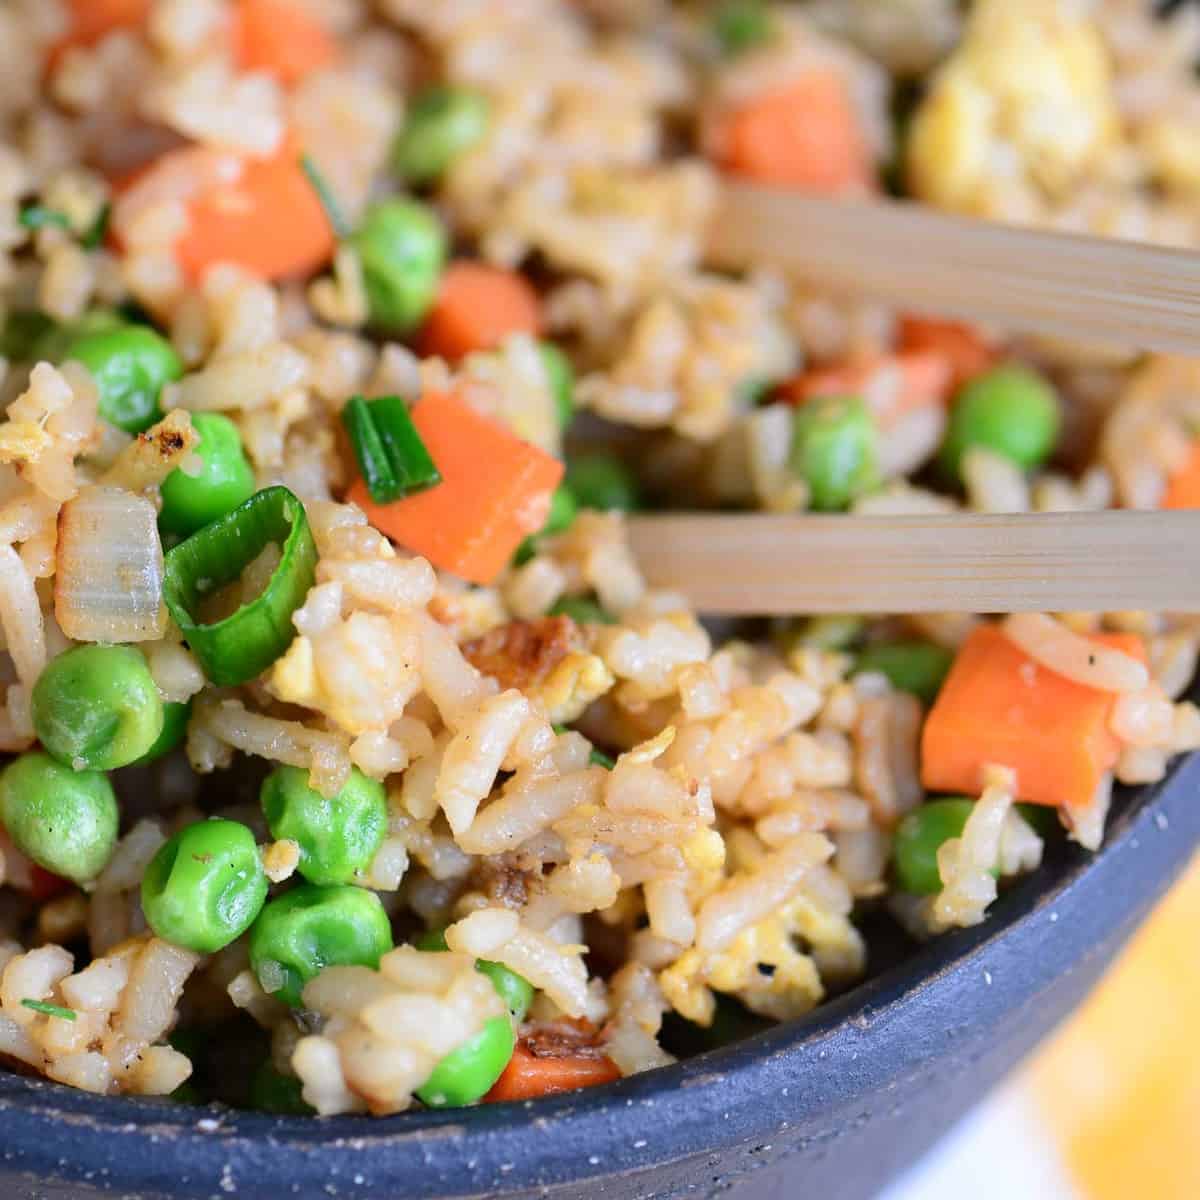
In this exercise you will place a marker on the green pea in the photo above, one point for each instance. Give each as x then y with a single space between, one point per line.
311 927
338 836
97 707
402 247
65 820
442 123
603 481
918 838
130 365
468 1073
205 886
582 611
741 25
174 730
834 450
1010 410
226 479
273 1092
561 375
513 989
917 667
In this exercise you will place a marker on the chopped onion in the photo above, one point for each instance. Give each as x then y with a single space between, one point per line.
109 585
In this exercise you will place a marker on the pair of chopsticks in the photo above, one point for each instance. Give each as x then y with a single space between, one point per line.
1087 288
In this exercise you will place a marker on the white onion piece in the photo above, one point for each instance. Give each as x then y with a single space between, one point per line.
109 583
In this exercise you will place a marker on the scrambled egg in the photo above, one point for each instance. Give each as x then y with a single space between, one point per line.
765 968
360 673
571 686
1027 101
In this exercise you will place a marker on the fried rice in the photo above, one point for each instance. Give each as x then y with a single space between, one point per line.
651 822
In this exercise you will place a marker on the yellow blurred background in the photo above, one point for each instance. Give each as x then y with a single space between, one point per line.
1120 1086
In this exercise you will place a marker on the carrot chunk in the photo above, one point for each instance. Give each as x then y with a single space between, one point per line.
528 1076
280 38
804 135
998 706
965 350
1183 488
477 307
269 221
90 20
45 885
892 384
495 491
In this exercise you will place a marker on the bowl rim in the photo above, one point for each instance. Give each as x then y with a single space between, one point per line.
709 1102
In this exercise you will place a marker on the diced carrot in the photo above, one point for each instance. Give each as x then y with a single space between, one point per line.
1183 488
803 135
90 20
528 1076
962 347
477 307
280 38
495 491
45 885
892 384
269 221
998 706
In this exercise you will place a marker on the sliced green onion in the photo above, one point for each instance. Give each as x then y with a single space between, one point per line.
391 456
368 448
50 1010
95 236
243 645
329 202
741 25
38 216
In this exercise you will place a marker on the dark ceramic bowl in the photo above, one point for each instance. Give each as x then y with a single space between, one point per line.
834 1104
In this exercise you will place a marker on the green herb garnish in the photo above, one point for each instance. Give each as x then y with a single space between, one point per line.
50 1010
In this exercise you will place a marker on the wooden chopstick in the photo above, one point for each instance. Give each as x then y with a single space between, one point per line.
1054 562
1028 280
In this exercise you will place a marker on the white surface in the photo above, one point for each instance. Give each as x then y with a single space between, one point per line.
999 1152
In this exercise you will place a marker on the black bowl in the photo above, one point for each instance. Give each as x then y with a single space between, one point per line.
834 1104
